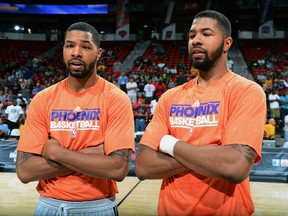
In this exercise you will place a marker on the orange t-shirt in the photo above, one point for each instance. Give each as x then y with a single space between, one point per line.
231 111
101 114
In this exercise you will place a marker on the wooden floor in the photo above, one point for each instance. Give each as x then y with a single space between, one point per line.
20 199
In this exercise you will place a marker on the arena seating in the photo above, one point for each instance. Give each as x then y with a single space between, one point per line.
11 50
255 49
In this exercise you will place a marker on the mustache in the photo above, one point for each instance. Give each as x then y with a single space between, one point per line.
197 47
76 59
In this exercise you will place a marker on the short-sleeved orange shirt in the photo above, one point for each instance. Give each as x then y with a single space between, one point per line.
101 114
231 111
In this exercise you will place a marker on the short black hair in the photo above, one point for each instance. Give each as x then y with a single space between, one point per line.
222 21
83 26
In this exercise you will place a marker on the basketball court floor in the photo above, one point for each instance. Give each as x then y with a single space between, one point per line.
135 198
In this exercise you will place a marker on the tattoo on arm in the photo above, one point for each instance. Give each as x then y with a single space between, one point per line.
248 152
22 157
143 147
125 154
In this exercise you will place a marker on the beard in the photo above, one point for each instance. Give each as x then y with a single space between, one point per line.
86 72
207 63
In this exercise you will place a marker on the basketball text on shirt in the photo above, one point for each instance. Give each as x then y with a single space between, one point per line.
196 115
67 120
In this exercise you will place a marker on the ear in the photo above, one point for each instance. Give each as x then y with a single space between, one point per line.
99 53
227 44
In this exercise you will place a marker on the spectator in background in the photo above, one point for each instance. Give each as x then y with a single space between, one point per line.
274 105
13 113
117 68
21 124
181 65
261 77
269 129
149 90
2 96
230 63
141 82
181 79
285 128
170 82
101 69
122 81
153 104
28 74
16 87
160 88
284 105
132 89
37 89
141 116
269 82
4 130
173 70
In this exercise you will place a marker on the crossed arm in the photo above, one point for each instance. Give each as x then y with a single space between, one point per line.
232 162
57 161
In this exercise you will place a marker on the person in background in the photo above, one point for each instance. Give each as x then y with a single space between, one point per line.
160 88
37 89
4 130
153 105
149 90
285 128
117 68
13 114
269 129
122 81
284 106
141 116
132 89
274 105
202 140
78 135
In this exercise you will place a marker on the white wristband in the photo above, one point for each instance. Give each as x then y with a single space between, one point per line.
167 144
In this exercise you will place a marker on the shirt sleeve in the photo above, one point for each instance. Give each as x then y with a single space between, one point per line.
247 116
35 132
119 133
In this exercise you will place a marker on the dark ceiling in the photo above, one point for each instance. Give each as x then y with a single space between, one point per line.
244 15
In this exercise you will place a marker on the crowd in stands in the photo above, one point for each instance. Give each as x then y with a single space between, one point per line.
268 63
150 77
163 66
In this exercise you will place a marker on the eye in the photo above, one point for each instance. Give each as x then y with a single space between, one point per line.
191 36
207 34
68 46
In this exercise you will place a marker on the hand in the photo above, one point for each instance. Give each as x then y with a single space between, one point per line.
99 149
50 148
167 144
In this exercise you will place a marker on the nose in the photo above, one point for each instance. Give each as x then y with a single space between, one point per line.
197 40
76 52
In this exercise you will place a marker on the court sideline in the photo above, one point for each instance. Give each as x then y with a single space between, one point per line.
20 199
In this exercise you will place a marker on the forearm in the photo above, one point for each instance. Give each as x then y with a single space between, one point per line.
96 165
31 167
151 164
231 162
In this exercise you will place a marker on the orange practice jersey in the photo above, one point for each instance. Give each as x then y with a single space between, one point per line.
231 111
100 114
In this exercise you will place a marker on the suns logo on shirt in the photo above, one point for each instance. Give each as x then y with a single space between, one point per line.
69 120
194 115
